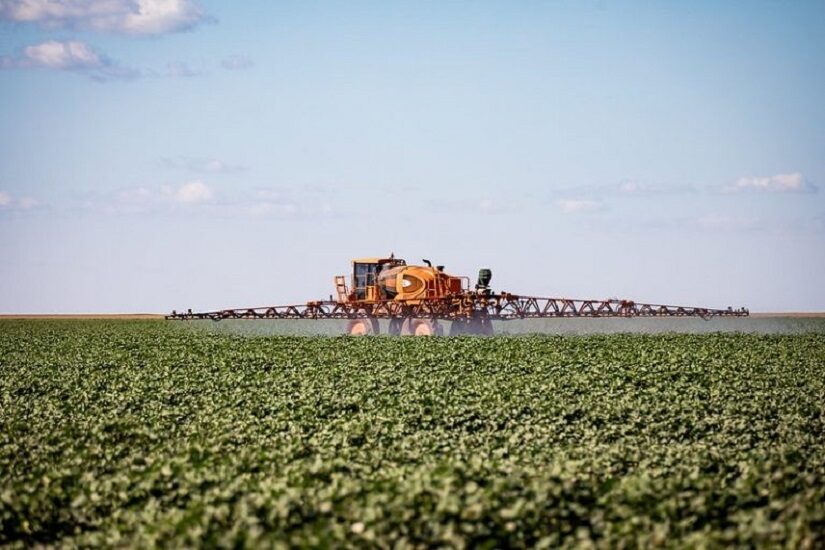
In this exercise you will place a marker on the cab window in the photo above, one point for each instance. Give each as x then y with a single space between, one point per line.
364 276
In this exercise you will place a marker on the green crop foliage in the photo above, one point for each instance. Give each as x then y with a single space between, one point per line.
146 434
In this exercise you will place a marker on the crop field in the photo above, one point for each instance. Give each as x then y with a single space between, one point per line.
142 433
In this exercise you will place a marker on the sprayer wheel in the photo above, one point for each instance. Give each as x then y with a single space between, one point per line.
362 327
421 327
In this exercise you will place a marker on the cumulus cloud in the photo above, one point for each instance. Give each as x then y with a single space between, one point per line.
160 198
577 205
198 198
62 55
135 17
236 63
638 188
193 192
634 187
780 183
69 55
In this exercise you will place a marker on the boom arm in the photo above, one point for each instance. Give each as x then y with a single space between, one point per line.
466 305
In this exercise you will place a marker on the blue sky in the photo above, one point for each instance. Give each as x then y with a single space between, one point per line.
160 154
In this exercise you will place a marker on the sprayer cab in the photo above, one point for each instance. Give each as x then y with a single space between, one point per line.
365 273
382 279
484 277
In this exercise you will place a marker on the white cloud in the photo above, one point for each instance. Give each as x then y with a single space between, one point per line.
576 205
633 187
137 17
237 63
196 197
62 55
490 206
159 16
79 57
155 198
193 192
8 202
780 183
69 55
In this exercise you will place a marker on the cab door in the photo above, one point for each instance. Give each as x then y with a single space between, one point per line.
364 278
